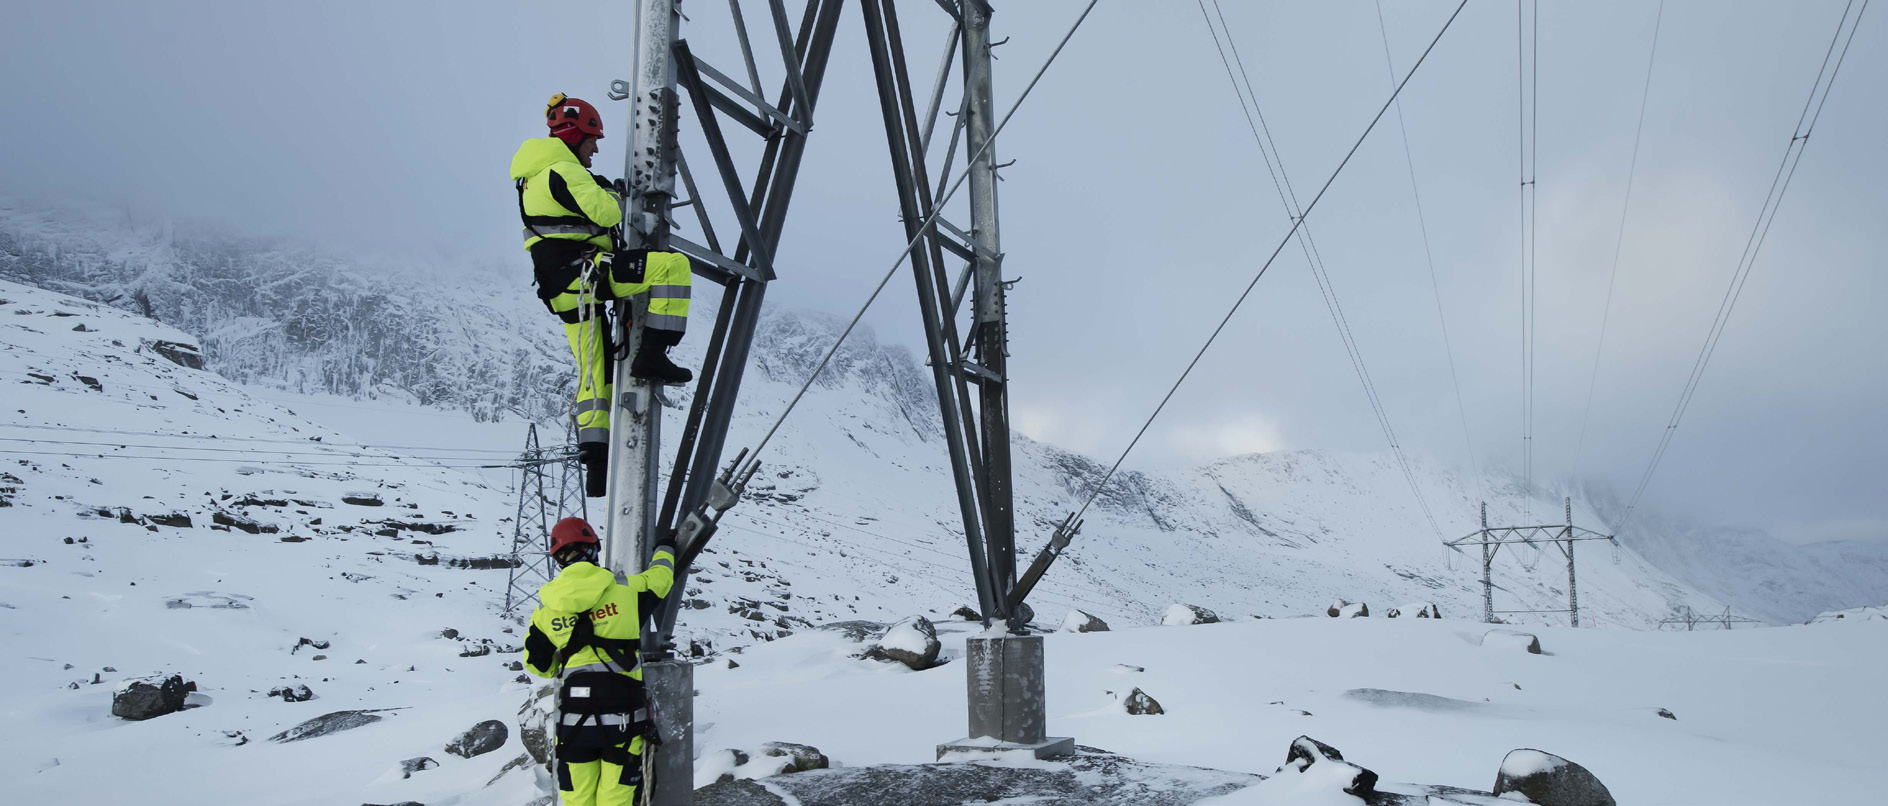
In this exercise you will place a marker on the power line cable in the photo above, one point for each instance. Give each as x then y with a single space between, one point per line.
1619 242
1528 130
753 454
1422 223
1779 185
1281 182
258 440
1267 265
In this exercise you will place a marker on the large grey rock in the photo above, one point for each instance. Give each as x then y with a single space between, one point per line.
479 739
1306 752
912 642
1549 780
1081 621
329 724
150 697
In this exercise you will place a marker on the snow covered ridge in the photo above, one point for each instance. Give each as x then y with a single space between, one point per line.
1853 615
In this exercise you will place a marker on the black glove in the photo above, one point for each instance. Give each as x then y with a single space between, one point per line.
621 187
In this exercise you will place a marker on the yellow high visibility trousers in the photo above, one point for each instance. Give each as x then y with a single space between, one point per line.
666 279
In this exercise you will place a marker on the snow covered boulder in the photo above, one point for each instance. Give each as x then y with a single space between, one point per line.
800 757
418 764
1181 615
1078 621
966 613
150 697
295 693
1512 640
912 642
1322 766
1139 703
479 739
1344 609
1545 779
1415 610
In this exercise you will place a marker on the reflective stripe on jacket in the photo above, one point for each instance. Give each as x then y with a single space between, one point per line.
561 199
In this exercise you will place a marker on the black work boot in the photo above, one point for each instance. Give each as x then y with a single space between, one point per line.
595 458
652 359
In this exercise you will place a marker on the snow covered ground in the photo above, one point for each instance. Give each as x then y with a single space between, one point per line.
212 532
1786 715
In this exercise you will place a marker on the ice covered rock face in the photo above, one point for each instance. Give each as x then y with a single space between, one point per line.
144 699
535 718
327 724
1181 615
1545 779
912 642
1078 621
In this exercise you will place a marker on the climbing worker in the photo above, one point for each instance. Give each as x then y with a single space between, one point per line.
584 632
584 256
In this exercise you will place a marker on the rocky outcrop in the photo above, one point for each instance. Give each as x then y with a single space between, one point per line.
138 700
329 724
1308 755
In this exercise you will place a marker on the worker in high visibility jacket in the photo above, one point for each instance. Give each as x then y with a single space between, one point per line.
584 632
583 256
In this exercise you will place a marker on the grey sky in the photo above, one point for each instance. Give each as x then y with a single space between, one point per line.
1138 207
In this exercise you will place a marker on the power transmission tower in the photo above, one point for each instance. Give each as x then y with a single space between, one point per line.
1684 616
537 510
1491 539
641 513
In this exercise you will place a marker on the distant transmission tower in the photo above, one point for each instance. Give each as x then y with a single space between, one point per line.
1685 617
538 508
1563 536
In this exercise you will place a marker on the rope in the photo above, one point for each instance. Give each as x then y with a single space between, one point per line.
1268 263
753 454
1780 184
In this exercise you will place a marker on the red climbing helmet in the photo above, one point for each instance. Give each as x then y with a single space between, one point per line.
571 532
572 119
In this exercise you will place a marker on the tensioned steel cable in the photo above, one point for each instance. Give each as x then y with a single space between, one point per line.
1619 242
1288 198
1422 223
1267 265
753 454
1528 130
1780 184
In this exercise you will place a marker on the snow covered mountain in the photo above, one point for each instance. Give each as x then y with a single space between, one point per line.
859 468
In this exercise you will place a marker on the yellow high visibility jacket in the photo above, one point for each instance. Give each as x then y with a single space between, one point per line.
560 198
584 587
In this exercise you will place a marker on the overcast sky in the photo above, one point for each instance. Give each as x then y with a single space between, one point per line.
1138 207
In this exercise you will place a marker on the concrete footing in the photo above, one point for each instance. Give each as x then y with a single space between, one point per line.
671 688
1003 678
